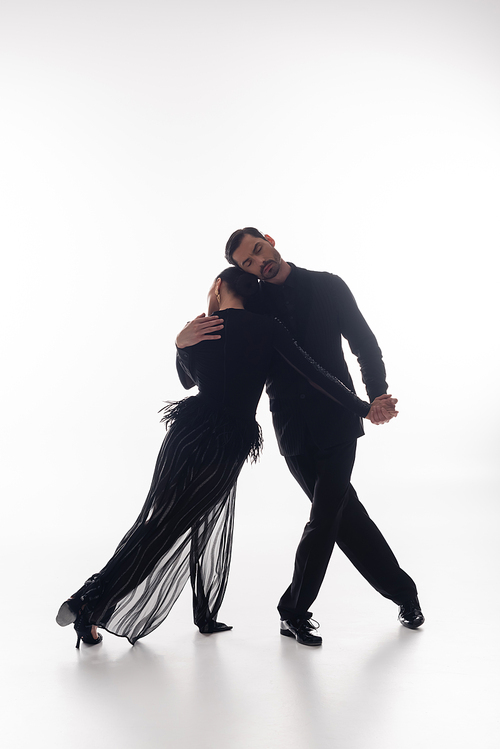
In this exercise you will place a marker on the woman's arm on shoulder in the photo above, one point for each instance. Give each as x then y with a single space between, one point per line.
202 328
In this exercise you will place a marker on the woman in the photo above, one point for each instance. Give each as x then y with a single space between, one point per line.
185 527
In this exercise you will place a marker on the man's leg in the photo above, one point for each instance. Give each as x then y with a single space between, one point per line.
364 545
338 515
325 477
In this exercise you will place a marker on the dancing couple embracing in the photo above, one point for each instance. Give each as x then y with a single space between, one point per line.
269 323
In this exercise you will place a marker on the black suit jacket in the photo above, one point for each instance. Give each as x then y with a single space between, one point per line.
318 309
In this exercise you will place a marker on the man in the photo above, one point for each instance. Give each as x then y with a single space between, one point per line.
317 436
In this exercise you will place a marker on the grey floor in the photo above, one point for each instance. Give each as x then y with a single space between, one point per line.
372 684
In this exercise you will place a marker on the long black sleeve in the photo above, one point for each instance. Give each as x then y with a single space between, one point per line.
361 339
182 363
300 360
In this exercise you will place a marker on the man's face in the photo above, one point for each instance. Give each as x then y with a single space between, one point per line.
258 257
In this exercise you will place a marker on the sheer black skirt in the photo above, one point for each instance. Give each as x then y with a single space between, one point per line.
185 527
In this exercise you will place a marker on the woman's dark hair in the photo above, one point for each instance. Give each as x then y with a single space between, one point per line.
240 283
235 240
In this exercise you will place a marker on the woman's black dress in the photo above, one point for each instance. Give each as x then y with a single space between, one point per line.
186 525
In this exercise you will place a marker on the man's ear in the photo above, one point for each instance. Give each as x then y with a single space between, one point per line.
270 240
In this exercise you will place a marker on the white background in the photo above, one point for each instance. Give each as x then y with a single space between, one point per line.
135 137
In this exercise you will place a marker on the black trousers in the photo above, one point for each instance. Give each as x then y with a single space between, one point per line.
337 516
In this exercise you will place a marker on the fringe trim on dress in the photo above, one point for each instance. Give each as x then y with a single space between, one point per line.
228 426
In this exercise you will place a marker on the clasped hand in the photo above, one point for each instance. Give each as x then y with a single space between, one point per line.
382 410
202 328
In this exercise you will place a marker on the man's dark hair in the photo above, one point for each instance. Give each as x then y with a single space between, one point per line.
236 238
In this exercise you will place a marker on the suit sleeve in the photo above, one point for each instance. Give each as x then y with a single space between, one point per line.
322 380
362 342
183 364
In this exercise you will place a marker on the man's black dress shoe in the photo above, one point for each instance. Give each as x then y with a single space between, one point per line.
301 629
410 614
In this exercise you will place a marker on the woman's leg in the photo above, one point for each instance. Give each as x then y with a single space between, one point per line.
210 557
190 499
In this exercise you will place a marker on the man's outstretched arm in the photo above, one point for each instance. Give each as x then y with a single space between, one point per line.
362 342
364 346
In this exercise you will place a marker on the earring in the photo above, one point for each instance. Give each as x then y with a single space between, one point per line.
217 296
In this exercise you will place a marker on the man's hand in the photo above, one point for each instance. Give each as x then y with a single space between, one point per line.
202 328
382 409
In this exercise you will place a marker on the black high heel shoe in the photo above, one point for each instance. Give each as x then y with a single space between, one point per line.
83 630
71 611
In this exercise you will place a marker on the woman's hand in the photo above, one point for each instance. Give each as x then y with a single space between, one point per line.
382 410
202 328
